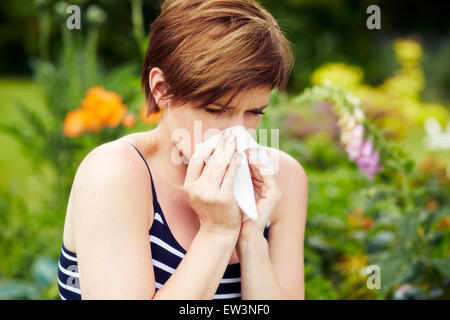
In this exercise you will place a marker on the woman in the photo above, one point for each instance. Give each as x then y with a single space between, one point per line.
141 224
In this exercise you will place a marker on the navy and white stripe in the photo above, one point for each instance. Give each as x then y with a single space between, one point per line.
166 252
68 276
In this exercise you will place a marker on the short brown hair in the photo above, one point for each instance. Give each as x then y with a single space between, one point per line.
207 48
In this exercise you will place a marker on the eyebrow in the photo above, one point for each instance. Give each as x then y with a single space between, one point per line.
229 108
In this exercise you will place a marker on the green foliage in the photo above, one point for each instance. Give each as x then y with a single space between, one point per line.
31 242
401 237
392 157
44 273
26 254
65 84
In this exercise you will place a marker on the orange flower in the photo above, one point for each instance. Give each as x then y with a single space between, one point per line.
98 109
74 123
432 205
92 122
357 220
129 120
444 224
152 118
104 107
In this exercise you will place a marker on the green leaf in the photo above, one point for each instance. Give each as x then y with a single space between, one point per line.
45 271
392 268
408 166
32 119
443 265
14 131
433 217
414 271
13 289
380 241
407 228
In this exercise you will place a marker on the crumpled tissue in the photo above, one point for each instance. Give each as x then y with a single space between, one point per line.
243 185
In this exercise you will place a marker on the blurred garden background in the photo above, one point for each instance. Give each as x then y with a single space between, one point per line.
366 113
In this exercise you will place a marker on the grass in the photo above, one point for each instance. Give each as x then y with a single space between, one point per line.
16 170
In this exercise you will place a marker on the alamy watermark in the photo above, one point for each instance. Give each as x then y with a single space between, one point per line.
74 20
374 279
73 279
374 20
182 137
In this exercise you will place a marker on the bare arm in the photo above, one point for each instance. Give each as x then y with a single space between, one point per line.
274 269
111 216
199 273
112 205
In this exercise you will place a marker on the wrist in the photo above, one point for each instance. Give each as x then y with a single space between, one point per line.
252 244
221 237
250 236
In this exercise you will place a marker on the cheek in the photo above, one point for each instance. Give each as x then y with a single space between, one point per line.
179 126
195 128
197 132
252 122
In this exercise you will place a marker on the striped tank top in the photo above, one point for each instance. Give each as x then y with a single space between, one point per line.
166 252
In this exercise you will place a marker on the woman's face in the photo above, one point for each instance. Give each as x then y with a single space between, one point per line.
189 125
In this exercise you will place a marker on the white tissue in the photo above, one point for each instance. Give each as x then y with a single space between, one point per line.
243 185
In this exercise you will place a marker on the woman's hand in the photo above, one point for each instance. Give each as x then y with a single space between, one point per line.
209 188
267 195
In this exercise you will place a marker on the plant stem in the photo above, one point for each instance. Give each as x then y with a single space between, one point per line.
44 33
138 30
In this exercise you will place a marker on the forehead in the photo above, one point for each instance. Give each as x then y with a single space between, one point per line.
248 98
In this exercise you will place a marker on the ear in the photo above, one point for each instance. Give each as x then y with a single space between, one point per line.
158 86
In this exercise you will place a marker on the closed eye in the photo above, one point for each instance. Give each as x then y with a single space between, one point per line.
258 112
218 111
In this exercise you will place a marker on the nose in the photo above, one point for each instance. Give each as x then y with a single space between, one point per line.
237 120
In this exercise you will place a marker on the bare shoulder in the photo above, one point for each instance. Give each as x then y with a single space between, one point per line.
292 180
288 170
112 176
114 161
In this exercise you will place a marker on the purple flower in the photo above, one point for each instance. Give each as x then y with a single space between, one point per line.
368 159
355 139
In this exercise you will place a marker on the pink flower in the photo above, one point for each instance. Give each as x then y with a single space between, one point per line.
404 288
357 147
368 159
355 140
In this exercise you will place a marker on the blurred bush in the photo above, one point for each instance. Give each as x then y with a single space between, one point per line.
321 31
400 221
50 137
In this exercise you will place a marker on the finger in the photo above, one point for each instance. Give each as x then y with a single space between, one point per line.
224 158
230 174
252 163
260 158
220 143
217 164
197 162
261 173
